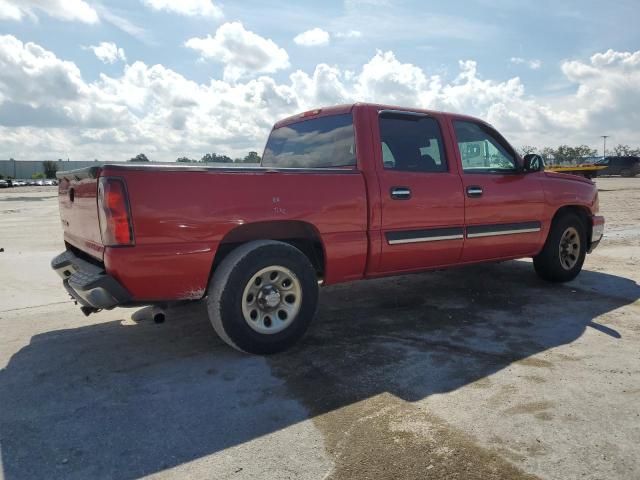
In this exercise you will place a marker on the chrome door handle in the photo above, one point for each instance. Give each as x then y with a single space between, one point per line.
474 191
400 193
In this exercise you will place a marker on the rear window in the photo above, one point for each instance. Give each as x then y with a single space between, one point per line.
323 142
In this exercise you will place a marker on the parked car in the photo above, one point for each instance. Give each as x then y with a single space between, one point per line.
623 166
50 182
343 193
19 183
4 184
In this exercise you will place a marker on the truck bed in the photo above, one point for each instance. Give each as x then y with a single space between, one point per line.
183 213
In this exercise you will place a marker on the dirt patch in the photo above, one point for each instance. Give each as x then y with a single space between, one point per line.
409 443
535 362
533 407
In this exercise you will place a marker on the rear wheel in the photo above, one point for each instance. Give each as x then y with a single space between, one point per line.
563 254
263 297
625 172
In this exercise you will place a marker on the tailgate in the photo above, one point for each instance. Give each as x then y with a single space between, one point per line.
77 201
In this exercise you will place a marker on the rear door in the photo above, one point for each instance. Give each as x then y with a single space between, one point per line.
504 207
422 202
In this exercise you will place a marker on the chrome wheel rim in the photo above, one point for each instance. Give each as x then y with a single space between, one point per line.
569 250
271 300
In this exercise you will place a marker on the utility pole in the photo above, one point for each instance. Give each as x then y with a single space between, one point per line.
604 145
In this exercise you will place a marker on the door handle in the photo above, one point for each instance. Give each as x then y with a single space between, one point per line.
474 191
400 193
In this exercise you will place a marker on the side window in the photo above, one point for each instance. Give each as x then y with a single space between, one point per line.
411 143
482 150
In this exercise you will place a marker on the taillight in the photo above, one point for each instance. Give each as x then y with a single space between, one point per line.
114 213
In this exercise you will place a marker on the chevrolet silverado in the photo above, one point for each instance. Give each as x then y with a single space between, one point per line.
343 193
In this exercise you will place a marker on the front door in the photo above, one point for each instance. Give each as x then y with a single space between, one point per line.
504 207
421 194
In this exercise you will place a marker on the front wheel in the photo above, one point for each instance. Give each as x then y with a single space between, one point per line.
263 297
563 254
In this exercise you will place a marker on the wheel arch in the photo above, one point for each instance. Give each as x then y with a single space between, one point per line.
582 212
300 234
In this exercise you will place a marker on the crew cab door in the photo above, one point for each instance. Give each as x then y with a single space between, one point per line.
504 206
422 204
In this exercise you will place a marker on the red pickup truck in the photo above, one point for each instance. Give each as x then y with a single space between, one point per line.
343 193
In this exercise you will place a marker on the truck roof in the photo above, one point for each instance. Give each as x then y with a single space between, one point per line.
348 107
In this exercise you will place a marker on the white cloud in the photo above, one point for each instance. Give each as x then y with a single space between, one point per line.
47 109
349 34
35 76
315 37
124 24
241 51
107 52
533 64
70 10
204 8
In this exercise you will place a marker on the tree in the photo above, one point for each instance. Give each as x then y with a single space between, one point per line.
547 155
215 158
184 160
38 176
252 157
625 151
572 155
50 168
141 157
526 150
583 151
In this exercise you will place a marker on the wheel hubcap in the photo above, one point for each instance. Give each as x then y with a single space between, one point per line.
569 250
271 299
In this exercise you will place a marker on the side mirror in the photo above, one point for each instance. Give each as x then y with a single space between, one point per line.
533 163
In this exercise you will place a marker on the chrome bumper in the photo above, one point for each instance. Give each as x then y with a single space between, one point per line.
597 231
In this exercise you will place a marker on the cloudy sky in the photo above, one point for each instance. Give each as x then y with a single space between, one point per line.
85 79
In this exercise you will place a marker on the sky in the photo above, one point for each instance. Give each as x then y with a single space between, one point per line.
85 79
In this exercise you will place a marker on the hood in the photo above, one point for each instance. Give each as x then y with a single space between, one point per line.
568 176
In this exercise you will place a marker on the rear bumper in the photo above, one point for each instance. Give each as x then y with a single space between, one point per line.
89 284
597 231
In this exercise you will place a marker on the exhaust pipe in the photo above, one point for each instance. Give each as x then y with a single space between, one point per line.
88 310
158 315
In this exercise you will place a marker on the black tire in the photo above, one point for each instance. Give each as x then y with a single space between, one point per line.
226 296
625 172
548 263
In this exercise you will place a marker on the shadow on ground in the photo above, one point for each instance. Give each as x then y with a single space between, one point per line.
122 400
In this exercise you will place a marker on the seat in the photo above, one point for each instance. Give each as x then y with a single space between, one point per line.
428 164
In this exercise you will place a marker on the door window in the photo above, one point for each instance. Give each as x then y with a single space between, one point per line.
411 143
483 150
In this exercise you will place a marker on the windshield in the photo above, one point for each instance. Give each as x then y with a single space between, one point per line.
323 142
